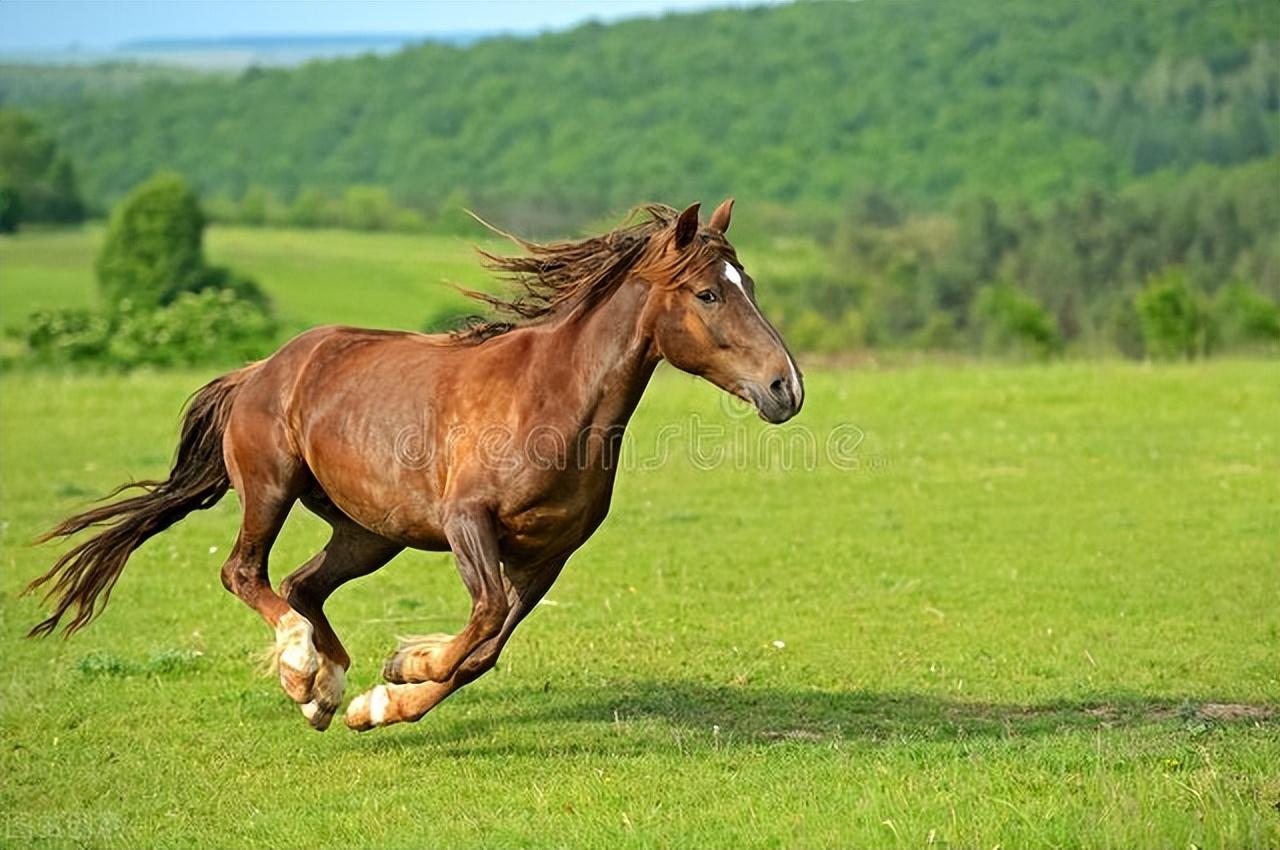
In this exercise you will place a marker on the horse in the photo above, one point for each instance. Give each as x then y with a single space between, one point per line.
498 442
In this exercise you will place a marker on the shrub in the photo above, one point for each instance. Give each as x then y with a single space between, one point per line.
1174 320
311 208
1010 322
938 333
66 337
166 306
367 208
212 326
154 246
1244 317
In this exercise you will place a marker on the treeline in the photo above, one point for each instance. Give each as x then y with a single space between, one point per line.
37 181
1090 272
927 102
354 208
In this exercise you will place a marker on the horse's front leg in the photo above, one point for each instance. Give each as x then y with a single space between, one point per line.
435 658
407 699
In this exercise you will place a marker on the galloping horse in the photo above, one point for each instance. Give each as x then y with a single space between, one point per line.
498 442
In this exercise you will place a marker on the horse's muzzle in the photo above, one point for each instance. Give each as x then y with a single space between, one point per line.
780 400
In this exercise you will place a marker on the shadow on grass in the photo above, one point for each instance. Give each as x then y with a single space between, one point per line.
638 715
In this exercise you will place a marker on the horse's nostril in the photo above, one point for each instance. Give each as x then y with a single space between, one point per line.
779 388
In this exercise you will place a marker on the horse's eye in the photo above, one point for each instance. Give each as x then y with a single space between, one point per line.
708 296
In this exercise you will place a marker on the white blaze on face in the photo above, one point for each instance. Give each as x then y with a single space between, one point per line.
731 274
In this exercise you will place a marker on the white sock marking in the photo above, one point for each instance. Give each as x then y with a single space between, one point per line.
378 699
294 634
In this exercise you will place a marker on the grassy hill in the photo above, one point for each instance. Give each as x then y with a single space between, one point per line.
799 104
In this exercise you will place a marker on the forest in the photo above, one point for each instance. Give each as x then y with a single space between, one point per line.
996 176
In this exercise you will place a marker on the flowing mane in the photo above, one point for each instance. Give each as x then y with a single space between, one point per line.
557 277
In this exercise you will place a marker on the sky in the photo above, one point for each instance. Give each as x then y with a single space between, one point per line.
38 24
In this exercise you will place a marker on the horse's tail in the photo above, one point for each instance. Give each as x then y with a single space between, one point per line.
196 482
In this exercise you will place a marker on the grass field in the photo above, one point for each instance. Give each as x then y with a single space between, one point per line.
1014 620
1036 607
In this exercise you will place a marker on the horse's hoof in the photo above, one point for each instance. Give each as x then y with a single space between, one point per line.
326 695
368 710
415 660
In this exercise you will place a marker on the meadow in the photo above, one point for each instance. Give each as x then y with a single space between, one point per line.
1017 606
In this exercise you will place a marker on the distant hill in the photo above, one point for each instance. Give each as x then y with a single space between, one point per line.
927 101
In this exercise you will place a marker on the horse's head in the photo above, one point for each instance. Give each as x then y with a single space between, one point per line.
704 319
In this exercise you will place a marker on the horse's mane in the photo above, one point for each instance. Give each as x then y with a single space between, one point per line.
557 277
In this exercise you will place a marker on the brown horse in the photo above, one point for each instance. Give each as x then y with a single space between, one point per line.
499 443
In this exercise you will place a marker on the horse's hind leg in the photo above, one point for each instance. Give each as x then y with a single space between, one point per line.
268 480
351 552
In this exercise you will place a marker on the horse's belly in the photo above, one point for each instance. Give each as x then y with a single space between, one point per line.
385 497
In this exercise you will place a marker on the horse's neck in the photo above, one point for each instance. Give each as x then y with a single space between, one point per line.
614 359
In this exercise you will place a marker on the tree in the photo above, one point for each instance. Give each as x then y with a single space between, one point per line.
1010 322
1174 320
154 249
10 209
37 182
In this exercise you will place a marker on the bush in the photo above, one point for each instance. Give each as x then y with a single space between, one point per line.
1175 322
1244 317
199 328
311 208
213 326
154 250
367 208
1010 322
67 337
166 307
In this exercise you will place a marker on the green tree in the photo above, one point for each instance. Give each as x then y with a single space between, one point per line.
38 178
1244 317
1175 323
10 209
1011 322
154 249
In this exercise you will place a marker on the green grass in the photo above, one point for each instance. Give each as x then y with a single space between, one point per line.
1001 626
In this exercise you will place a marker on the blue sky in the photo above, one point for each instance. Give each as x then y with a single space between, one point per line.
33 24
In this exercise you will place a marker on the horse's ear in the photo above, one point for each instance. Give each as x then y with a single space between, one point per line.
687 226
720 218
